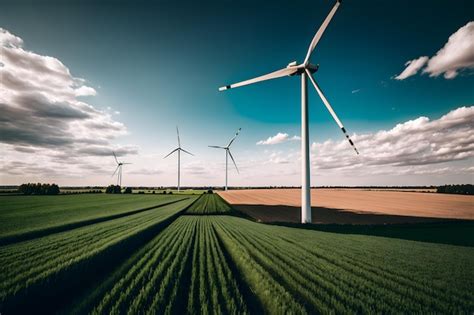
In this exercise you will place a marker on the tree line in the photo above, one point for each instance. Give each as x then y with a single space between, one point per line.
464 189
38 189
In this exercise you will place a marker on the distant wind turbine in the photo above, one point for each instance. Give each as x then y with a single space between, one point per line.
178 149
227 154
119 169
305 70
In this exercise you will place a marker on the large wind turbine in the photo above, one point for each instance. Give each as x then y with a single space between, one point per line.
305 70
178 149
119 169
227 154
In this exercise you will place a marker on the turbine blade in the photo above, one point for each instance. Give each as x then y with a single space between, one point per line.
276 74
179 141
186 151
115 157
115 171
232 158
321 30
216 147
126 163
328 106
236 134
171 152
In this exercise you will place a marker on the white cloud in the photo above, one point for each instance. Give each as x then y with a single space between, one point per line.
8 40
421 151
85 91
355 91
456 55
416 143
413 66
279 158
42 114
278 138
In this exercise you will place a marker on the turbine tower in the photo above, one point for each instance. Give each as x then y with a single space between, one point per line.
305 70
227 154
119 169
178 149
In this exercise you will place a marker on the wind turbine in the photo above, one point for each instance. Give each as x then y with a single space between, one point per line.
178 149
227 154
305 70
119 169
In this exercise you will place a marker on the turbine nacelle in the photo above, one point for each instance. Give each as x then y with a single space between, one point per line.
312 68
301 68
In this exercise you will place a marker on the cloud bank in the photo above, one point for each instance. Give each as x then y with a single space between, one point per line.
418 151
42 113
278 138
418 142
456 55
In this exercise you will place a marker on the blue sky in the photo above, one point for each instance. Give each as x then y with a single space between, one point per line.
157 65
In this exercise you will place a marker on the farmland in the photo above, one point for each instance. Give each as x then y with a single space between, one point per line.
194 256
209 204
352 206
21 215
65 254
182 270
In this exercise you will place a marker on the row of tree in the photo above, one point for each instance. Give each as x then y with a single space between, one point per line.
116 189
465 189
38 189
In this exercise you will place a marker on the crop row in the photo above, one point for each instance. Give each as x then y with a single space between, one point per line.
36 215
301 271
182 270
209 204
27 268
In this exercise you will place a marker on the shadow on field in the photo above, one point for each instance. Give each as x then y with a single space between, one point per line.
6 240
432 230
56 293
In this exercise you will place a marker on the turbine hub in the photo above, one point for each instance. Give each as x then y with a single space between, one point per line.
312 68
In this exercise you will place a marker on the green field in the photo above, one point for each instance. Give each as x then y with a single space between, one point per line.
168 260
209 204
21 215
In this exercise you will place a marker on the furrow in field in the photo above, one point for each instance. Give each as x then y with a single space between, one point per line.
190 268
274 297
61 257
209 204
67 227
368 276
322 272
328 275
345 258
326 290
29 217
64 249
125 283
150 256
157 288
317 300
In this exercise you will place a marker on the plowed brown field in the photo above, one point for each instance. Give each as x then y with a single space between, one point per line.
351 205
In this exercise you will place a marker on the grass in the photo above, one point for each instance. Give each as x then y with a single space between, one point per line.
159 261
27 214
209 204
303 271
182 270
29 267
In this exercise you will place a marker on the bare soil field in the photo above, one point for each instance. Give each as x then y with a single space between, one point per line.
351 206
